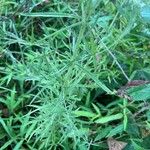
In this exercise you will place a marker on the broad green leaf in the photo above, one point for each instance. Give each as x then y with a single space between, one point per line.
139 93
109 118
143 73
145 142
136 146
132 127
129 146
84 114
80 132
102 133
95 3
145 13
116 130
148 115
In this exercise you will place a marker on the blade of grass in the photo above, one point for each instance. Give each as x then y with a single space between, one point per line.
107 119
49 14
97 81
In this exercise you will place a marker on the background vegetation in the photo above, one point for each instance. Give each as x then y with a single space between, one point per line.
61 63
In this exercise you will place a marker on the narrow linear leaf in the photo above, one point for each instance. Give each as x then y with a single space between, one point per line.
6 144
125 121
96 109
49 14
109 118
84 114
30 130
148 124
116 130
18 145
5 126
97 81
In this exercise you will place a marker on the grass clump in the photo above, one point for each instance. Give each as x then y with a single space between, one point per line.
61 65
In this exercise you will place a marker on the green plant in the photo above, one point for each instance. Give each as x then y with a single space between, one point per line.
61 64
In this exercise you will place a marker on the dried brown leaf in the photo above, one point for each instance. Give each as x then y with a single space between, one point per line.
115 145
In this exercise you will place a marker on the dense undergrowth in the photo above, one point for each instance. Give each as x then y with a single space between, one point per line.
61 63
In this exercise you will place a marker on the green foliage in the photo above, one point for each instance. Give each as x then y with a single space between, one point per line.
145 13
61 63
140 92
